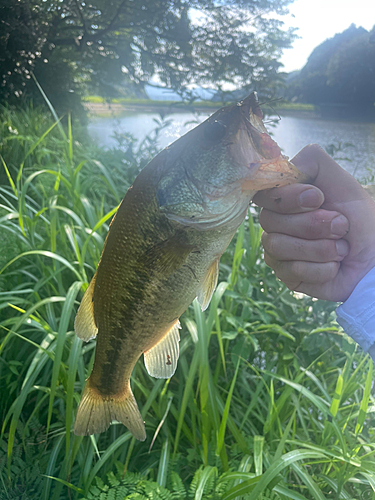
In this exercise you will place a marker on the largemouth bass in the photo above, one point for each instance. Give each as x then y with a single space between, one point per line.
163 250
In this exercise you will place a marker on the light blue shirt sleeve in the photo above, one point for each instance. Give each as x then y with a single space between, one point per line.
357 314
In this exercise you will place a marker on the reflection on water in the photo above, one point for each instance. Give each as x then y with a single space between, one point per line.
292 133
141 124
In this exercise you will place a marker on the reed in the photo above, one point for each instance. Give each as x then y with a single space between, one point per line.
270 399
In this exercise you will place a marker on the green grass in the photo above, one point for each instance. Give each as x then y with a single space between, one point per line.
148 102
277 105
270 399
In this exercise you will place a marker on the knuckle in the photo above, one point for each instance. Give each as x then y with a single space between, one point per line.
313 150
332 270
318 222
326 250
297 269
263 216
325 272
269 242
267 259
263 238
272 263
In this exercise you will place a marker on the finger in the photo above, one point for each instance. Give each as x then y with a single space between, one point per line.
300 271
325 291
316 225
287 248
295 198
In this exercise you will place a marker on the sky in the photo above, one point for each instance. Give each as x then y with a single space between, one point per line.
318 20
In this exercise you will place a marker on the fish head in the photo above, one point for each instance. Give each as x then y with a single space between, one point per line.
212 172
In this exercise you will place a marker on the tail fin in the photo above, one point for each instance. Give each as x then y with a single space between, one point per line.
95 413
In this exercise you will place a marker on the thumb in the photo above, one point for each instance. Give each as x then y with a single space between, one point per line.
337 185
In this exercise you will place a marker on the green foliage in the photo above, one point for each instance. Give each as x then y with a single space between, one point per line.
270 398
131 486
339 71
205 485
24 478
111 47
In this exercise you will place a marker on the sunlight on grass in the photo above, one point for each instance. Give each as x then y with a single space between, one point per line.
270 399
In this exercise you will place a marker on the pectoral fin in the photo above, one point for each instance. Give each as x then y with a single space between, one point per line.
168 255
84 323
208 285
161 360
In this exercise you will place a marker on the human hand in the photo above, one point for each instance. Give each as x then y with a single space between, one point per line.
320 238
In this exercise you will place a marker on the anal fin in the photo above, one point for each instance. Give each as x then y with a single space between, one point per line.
84 324
208 285
161 360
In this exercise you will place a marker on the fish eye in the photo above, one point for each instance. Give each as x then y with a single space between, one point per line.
214 131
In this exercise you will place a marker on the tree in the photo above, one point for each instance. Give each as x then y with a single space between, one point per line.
73 45
340 71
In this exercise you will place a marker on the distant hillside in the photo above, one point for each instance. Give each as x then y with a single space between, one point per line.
340 71
165 94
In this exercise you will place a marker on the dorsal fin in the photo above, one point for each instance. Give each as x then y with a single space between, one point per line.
208 285
161 360
84 323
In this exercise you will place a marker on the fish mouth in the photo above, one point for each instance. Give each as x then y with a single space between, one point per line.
277 172
250 106
272 168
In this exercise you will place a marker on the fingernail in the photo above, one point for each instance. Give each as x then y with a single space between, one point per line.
311 198
342 247
339 225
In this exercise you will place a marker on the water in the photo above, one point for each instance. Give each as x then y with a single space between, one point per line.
292 133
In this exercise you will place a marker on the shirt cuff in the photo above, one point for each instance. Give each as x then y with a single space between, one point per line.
357 314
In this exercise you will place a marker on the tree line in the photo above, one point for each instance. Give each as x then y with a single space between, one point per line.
339 72
74 47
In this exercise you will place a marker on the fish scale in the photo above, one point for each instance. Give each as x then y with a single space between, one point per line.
162 250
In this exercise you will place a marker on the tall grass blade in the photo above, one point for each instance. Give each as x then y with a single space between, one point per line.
44 253
258 454
105 457
264 480
206 474
75 353
12 185
365 400
223 425
51 467
66 483
337 396
314 489
163 464
52 109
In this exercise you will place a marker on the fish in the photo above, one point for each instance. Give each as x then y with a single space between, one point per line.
163 250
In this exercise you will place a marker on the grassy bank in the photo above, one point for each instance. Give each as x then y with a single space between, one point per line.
209 105
270 399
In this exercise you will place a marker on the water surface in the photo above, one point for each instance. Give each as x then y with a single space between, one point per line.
292 133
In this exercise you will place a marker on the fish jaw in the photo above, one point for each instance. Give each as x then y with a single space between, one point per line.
267 167
273 173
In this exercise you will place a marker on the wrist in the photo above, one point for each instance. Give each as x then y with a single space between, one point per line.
357 314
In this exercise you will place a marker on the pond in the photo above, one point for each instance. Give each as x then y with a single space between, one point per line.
355 140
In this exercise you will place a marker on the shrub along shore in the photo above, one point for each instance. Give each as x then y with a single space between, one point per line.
100 106
270 400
